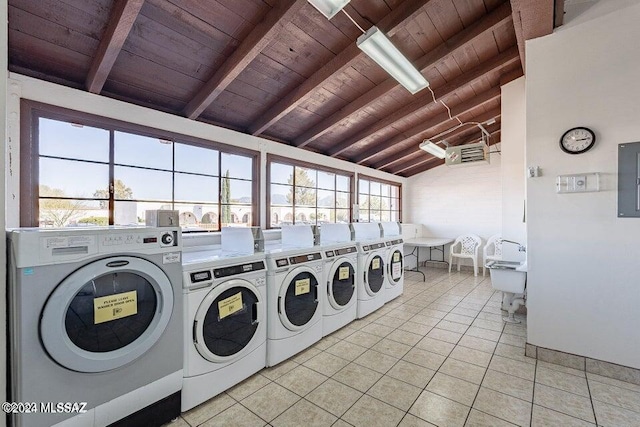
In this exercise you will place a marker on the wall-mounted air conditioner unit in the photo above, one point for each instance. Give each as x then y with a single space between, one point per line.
466 155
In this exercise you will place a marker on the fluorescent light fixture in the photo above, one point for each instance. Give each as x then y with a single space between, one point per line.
379 48
432 148
329 8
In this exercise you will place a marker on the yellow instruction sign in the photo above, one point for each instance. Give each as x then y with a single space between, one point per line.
228 306
396 257
303 286
343 273
375 264
116 306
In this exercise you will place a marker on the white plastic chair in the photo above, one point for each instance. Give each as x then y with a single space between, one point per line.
469 244
492 251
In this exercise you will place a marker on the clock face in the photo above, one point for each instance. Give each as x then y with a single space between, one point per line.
577 140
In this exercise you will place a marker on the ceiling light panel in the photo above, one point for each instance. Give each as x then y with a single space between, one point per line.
329 8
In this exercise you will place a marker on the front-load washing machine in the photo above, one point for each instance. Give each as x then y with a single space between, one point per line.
225 337
295 285
95 325
394 285
341 272
372 257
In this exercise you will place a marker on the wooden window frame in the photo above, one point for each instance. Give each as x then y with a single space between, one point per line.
271 158
32 111
381 181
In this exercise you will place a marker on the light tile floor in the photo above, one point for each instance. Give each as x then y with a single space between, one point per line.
439 355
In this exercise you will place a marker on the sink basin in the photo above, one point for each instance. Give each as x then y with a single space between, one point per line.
508 276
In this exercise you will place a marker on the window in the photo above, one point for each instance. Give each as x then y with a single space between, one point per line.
301 193
87 170
378 200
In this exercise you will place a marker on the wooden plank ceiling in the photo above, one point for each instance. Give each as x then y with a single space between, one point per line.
281 70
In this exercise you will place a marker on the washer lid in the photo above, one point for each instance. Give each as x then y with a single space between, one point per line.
395 265
374 273
341 283
106 314
298 298
227 320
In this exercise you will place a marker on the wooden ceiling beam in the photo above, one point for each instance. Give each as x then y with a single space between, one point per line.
390 24
434 161
505 59
440 119
531 19
459 42
420 156
120 22
263 34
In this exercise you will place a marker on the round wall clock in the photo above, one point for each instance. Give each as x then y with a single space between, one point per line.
577 140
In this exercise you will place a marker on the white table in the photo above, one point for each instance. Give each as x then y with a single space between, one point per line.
433 243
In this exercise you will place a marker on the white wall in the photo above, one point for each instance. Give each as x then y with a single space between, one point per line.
38 90
513 136
3 135
450 201
584 279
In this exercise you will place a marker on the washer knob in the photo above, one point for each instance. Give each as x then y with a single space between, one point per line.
167 238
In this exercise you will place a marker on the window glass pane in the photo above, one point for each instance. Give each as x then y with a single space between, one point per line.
343 183
326 198
375 188
363 186
343 200
240 191
72 213
395 191
197 216
325 216
281 194
385 190
305 216
190 158
305 196
394 204
326 180
384 216
237 166
364 215
195 188
68 178
281 174
235 215
136 150
342 216
305 177
133 213
395 216
145 184
62 139
281 215
363 202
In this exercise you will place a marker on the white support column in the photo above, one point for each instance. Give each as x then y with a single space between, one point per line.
4 74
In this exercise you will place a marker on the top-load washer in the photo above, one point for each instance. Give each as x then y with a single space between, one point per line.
340 276
394 286
295 284
96 317
372 257
225 338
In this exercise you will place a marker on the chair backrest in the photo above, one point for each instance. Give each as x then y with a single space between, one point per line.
469 244
495 243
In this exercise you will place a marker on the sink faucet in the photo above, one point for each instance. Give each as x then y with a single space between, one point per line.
521 248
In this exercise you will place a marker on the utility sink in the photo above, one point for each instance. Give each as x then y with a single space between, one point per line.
508 276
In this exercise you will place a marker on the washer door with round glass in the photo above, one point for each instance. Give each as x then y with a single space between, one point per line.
341 283
298 298
227 321
374 275
106 314
395 263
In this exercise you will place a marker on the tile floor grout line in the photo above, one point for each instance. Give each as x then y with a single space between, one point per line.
593 407
533 394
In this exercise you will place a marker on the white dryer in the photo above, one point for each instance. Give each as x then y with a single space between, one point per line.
95 316
225 322
295 284
372 258
394 285
340 277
